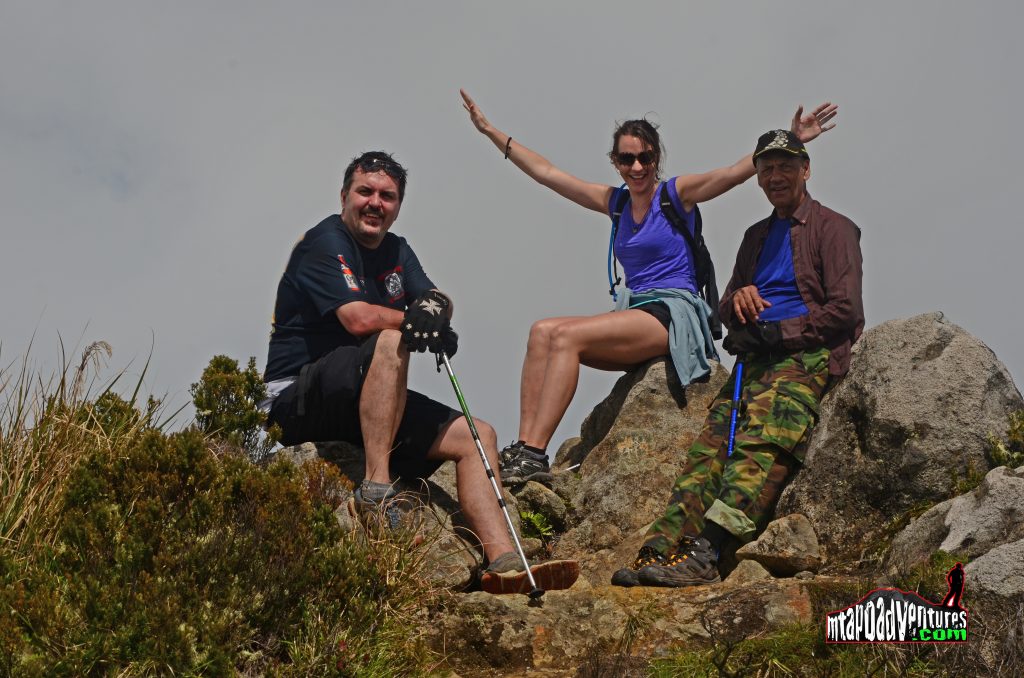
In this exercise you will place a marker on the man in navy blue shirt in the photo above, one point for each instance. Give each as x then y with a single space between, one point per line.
352 304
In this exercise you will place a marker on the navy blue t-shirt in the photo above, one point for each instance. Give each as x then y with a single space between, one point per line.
775 278
327 269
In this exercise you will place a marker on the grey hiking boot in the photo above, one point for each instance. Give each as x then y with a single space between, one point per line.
519 465
694 563
390 510
630 576
506 574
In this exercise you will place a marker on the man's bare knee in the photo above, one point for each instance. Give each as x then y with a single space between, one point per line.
389 340
464 447
390 347
488 436
489 439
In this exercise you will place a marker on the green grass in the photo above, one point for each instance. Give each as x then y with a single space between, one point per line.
928 579
796 652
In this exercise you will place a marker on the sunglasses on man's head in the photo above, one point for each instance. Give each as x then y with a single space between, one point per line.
627 159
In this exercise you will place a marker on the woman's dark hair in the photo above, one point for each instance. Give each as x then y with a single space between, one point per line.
644 130
376 161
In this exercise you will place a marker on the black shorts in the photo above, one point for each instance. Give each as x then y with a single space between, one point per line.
658 310
323 404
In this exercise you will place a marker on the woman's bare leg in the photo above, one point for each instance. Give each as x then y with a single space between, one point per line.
535 366
615 340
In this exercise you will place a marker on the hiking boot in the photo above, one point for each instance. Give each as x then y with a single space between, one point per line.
519 465
507 575
694 563
629 576
390 511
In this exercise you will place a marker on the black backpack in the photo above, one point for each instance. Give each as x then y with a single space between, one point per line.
705 268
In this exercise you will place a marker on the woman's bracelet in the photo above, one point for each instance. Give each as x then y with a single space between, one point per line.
508 147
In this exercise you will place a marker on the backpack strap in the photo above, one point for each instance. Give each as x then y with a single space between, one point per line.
699 254
668 208
621 196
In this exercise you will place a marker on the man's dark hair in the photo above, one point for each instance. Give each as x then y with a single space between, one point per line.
644 130
376 161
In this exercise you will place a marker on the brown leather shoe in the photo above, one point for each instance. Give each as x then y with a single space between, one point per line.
506 575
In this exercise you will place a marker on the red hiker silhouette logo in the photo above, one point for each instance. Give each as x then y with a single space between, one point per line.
897 616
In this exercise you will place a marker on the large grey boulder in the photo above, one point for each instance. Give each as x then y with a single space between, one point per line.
994 596
971 524
631 448
911 417
999 573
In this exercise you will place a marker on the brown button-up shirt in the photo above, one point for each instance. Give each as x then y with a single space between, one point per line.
827 263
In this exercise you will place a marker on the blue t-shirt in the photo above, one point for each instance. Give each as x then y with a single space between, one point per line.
775 278
328 269
653 253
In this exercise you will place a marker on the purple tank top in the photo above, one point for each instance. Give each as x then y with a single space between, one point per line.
652 253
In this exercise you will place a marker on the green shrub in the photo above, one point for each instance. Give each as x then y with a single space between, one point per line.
1010 453
227 405
965 482
162 557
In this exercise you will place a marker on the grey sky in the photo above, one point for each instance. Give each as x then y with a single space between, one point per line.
159 159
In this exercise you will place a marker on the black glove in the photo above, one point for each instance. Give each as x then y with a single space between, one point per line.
754 337
425 322
451 341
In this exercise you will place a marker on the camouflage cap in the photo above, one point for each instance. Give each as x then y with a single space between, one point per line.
780 140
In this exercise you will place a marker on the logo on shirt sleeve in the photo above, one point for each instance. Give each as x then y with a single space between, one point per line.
346 272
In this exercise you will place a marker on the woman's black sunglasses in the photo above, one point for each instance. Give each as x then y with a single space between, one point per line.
627 159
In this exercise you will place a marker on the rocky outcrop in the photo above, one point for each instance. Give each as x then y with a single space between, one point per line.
539 499
970 525
909 420
787 546
748 571
577 631
631 448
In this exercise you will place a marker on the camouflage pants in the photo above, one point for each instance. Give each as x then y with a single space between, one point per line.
779 407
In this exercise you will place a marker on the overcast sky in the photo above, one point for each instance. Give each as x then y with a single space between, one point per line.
160 159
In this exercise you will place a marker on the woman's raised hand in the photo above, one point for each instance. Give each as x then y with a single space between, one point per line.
808 127
475 114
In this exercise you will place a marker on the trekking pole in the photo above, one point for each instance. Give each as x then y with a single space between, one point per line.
442 358
738 373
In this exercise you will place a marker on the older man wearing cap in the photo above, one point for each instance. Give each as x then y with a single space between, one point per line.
793 307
